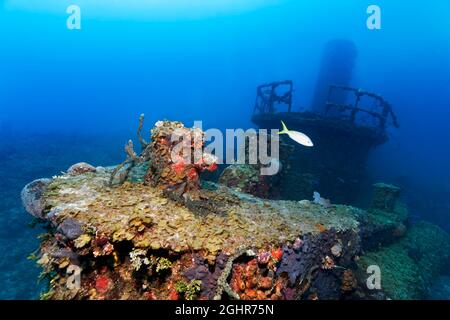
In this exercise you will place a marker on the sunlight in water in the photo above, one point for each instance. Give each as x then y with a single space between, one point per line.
145 8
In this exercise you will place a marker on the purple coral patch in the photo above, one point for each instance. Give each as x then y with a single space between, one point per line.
201 271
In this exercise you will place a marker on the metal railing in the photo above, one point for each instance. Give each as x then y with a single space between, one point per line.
380 109
268 96
374 112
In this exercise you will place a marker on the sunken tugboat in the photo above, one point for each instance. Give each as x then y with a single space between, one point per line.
351 123
150 229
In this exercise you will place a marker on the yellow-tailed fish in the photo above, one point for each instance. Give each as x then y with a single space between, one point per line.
298 137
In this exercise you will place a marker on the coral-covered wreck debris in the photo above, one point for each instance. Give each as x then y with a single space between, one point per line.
175 156
148 229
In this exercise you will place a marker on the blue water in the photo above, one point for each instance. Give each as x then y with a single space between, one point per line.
75 95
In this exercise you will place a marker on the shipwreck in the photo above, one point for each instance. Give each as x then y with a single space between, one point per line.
343 133
150 229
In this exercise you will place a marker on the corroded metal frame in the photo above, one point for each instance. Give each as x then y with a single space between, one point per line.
267 96
382 116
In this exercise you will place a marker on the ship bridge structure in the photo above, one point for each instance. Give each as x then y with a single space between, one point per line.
350 124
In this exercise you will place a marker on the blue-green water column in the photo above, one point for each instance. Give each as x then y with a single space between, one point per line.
337 63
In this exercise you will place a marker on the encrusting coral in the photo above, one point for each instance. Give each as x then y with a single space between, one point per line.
247 178
409 265
385 196
159 235
176 159
188 290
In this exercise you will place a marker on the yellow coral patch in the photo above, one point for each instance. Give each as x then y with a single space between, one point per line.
82 241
